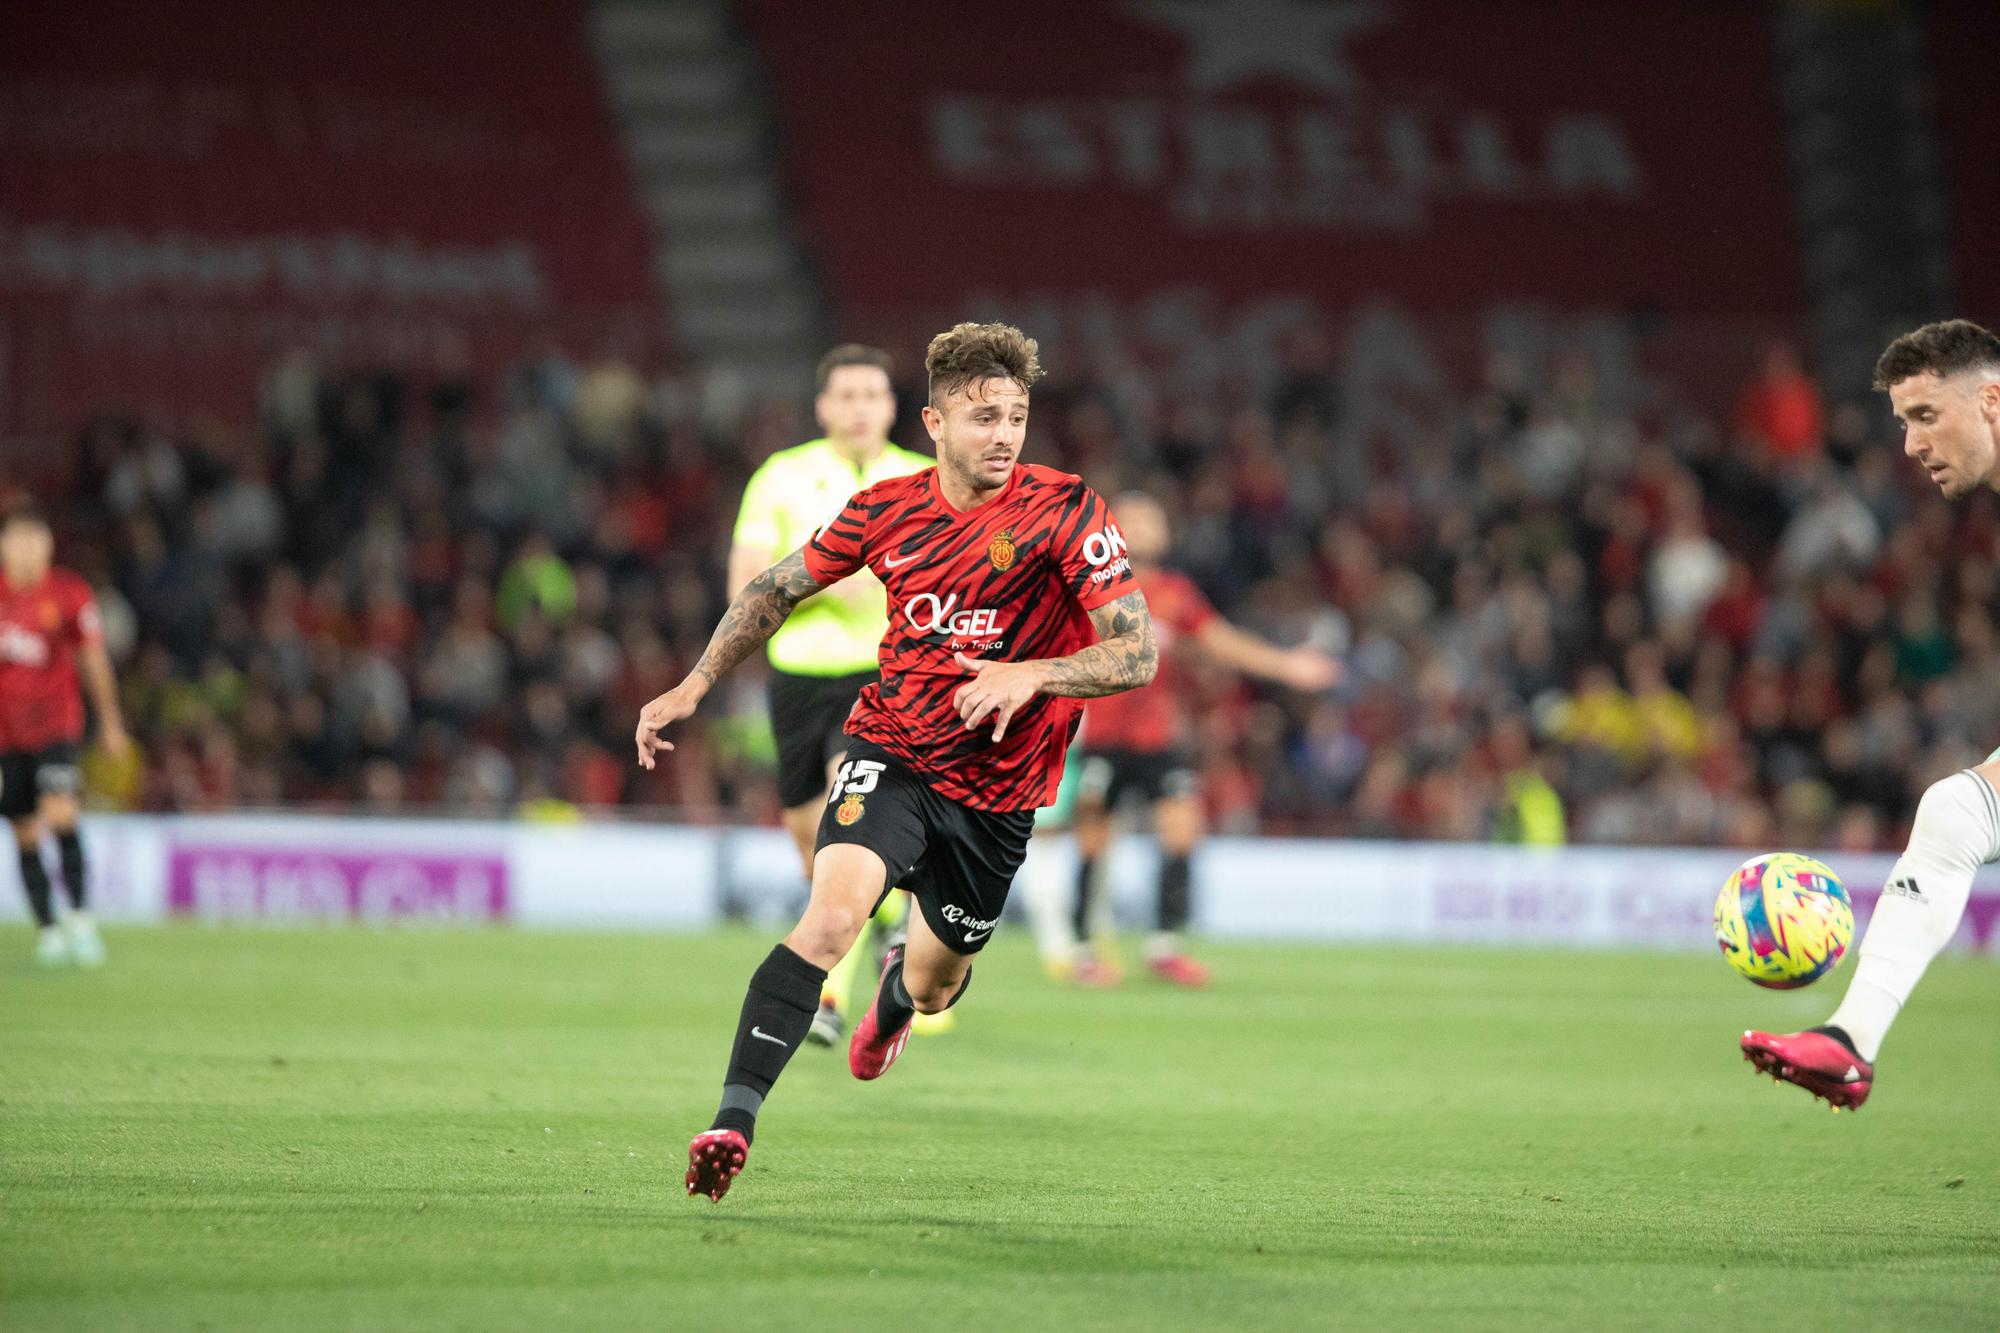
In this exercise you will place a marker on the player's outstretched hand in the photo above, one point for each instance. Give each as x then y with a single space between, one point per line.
996 689
1309 670
670 707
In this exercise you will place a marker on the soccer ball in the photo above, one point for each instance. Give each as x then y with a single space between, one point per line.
1784 920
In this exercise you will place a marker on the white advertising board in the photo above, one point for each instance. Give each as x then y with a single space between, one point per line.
301 869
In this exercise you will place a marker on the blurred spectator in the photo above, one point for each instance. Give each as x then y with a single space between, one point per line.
1834 529
538 580
1780 409
1561 617
1667 723
1688 568
1529 810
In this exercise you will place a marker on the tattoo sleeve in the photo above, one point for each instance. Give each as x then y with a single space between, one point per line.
1123 658
755 615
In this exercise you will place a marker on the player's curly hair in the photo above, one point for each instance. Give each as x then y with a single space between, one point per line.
966 354
1946 347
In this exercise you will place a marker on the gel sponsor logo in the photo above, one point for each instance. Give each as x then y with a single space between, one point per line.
932 615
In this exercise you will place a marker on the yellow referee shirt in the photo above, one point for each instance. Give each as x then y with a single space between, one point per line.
790 498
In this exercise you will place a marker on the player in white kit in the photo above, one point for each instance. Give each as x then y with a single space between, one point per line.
1943 381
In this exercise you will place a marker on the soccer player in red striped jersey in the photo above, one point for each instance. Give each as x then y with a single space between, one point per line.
1010 601
49 630
1139 745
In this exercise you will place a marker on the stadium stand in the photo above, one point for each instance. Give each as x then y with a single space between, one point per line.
383 595
1605 568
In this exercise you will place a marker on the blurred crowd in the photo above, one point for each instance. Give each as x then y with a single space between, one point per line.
1564 615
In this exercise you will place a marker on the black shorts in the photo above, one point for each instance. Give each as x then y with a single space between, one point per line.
28 775
957 862
1109 776
807 714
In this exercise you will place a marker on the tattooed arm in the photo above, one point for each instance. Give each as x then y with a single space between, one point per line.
1123 658
751 619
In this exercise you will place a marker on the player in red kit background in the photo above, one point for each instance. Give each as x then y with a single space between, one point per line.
1138 744
1010 600
48 631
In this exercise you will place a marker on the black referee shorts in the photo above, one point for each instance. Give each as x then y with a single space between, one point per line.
957 862
807 714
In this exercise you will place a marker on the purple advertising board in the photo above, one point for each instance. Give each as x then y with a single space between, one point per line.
224 881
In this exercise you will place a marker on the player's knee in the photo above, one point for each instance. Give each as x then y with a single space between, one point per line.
825 933
1179 824
935 994
1957 824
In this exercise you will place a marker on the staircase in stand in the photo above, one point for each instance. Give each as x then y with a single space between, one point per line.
740 294
1865 174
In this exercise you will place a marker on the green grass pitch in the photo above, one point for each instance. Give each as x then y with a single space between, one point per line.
376 1130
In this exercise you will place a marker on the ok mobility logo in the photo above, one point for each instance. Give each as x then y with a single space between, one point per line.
1335 153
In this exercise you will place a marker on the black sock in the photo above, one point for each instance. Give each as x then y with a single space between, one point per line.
1175 893
777 1013
1086 881
70 844
1839 1035
893 1006
35 879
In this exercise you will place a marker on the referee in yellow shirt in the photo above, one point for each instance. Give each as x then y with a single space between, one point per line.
826 651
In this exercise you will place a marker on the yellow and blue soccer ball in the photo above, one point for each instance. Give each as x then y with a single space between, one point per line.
1784 920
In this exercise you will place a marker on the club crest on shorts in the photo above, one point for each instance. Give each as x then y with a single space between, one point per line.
850 810
1001 550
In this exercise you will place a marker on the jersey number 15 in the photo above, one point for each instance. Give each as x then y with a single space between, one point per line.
857 777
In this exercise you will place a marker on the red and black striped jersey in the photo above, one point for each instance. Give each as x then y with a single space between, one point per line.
1013 580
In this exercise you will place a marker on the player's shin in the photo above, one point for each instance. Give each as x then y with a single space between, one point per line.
1175 905
69 844
1086 879
1957 829
893 1005
777 1012
35 879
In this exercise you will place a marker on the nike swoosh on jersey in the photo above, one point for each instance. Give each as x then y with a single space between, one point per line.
887 563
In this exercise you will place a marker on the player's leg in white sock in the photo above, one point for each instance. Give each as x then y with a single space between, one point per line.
1103 916
1957 829
1045 879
